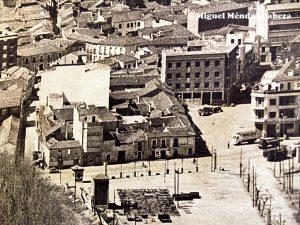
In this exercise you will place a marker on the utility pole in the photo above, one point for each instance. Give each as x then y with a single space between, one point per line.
149 172
178 187
215 160
212 159
292 174
253 182
289 176
175 178
274 169
241 164
114 207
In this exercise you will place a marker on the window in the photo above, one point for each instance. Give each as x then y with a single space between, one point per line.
4 56
289 85
107 158
26 60
263 58
41 58
197 85
131 24
232 41
197 74
188 64
287 113
59 55
154 143
272 101
4 47
33 60
93 119
128 25
217 74
178 65
49 58
207 63
190 151
177 86
85 118
216 84
206 85
176 142
187 85
178 75
169 76
187 75
120 26
206 74
163 143
272 115
217 63
259 114
197 64
263 49
138 24
239 41
170 65
140 146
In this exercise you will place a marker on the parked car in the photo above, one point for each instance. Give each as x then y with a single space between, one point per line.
245 136
268 142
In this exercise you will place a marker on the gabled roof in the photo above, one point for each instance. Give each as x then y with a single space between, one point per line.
127 16
54 144
215 7
11 98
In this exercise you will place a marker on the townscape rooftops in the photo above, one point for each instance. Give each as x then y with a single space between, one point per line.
54 144
125 58
209 47
177 30
168 41
9 133
283 7
31 50
283 72
102 112
11 98
215 7
108 40
4 32
127 16
130 80
18 72
65 113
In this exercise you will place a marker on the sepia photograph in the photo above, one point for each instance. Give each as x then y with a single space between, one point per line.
133 112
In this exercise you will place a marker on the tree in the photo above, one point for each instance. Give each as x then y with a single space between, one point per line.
28 199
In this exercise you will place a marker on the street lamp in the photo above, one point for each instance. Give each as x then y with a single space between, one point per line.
283 117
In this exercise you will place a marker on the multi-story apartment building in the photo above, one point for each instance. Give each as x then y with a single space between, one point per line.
276 101
204 71
215 15
8 49
276 30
